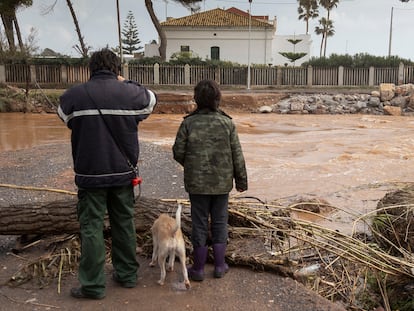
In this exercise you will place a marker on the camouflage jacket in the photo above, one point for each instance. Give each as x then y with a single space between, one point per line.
207 146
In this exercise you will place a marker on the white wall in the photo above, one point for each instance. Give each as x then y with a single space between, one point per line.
281 44
233 44
151 50
264 46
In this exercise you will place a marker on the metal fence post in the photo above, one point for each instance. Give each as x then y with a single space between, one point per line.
2 74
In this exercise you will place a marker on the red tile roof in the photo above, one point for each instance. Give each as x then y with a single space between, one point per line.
216 18
246 14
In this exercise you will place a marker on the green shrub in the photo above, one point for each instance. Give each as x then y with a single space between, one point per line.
361 60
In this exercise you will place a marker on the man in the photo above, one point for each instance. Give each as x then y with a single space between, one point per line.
103 115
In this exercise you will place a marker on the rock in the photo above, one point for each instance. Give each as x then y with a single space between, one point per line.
360 105
399 101
374 102
404 90
376 94
265 109
311 108
392 111
311 99
411 101
296 106
284 105
387 91
338 98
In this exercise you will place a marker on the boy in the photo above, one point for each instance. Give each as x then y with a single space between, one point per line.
208 147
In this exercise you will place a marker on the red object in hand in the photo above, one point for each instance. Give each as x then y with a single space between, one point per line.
136 181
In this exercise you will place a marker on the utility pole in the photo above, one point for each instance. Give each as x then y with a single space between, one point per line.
166 9
248 45
119 32
389 47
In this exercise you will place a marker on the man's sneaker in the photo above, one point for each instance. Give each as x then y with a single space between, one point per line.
76 292
123 284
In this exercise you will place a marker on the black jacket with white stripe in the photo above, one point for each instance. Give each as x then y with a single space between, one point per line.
98 160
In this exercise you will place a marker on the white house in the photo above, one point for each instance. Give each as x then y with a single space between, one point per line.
226 35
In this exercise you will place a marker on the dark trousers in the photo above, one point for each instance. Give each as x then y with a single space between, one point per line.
203 207
92 206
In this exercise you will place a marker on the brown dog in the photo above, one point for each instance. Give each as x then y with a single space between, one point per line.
167 239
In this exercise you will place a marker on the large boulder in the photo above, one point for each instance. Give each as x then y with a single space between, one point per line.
392 111
387 91
411 102
404 89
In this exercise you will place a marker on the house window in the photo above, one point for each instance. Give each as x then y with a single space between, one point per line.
215 53
185 48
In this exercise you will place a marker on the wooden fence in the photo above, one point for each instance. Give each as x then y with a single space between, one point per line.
63 75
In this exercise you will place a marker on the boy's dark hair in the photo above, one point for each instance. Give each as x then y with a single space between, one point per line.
207 94
105 59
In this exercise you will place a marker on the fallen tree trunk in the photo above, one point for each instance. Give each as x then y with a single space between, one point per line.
60 216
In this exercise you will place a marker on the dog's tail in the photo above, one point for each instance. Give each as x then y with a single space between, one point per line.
178 217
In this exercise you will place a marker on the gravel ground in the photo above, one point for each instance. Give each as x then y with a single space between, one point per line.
50 166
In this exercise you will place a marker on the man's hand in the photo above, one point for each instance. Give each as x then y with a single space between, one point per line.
121 78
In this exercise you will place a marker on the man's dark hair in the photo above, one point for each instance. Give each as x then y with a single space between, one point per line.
105 59
207 94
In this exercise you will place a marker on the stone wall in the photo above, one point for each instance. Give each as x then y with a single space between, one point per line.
389 99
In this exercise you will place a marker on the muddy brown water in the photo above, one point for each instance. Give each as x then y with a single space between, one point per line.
351 161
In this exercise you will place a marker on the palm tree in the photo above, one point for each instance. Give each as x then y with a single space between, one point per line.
308 9
163 39
326 29
328 5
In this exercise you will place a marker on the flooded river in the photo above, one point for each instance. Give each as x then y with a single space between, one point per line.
351 161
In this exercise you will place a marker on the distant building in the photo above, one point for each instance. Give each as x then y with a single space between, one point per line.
225 35
151 49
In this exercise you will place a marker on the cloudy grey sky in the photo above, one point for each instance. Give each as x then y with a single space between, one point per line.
361 26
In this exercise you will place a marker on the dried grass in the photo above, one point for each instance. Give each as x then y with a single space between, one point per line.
264 236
